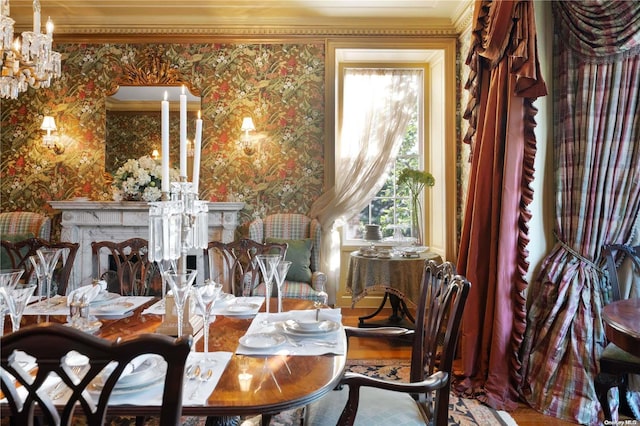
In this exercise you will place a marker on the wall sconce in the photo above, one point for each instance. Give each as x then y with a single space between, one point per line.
51 141
155 155
245 140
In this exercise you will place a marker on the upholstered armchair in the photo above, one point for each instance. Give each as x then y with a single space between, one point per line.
15 226
302 236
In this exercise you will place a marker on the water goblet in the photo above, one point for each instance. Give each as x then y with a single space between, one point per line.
180 282
49 258
8 280
280 274
18 300
206 295
268 263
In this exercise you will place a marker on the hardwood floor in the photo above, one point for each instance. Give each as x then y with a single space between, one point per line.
367 349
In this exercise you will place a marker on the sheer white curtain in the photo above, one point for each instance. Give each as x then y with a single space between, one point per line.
377 105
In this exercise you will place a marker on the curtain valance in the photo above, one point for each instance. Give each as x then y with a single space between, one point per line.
600 31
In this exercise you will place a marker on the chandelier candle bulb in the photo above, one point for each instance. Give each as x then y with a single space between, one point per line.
196 154
165 144
49 26
183 133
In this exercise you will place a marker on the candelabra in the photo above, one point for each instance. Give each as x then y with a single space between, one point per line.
30 62
177 224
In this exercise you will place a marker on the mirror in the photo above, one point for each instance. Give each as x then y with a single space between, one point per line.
133 123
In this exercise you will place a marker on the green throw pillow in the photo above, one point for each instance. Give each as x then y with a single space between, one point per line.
299 253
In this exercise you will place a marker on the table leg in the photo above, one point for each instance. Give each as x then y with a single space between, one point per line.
398 311
362 319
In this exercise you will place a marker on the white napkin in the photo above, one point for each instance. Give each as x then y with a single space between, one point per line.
91 291
135 363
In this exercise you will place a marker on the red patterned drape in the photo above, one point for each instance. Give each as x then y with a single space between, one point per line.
504 81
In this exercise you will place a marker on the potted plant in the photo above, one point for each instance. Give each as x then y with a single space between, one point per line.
415 181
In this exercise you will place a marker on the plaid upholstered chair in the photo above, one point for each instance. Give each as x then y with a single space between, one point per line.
16 226
302 236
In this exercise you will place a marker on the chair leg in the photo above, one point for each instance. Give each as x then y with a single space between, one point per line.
603 383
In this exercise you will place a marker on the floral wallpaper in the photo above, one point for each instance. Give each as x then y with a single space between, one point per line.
281 86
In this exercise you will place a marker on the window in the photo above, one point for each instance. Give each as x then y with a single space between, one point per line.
391 207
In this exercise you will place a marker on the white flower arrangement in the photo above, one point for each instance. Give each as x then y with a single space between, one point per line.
140 180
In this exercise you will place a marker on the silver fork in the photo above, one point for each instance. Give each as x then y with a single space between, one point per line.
61 388
204 377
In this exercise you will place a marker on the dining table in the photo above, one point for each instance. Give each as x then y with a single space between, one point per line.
251 382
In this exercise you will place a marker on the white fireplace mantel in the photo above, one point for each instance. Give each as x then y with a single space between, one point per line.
86 221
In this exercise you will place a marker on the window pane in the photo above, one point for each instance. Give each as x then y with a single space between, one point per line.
391 207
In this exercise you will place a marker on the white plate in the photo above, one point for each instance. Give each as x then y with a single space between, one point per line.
242 308
326 326
149 372
262 340
414 249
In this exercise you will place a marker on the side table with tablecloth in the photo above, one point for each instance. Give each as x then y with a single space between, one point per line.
397 276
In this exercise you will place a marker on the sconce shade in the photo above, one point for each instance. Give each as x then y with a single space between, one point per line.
48 123
247 124
49 140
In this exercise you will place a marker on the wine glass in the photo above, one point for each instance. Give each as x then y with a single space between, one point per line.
39 270
180 282
49 258
280 274
206 295
8 280
268 263
18 299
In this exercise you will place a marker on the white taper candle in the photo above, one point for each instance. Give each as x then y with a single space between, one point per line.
196 154
165 144
183 133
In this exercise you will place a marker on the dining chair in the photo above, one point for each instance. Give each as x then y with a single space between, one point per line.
50 343
616 364
303 236
425 398
15 255
235 266
125 266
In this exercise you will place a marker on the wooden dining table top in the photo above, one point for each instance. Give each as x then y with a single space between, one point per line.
300 379
622 324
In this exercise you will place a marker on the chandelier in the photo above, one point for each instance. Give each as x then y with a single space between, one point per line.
27 60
